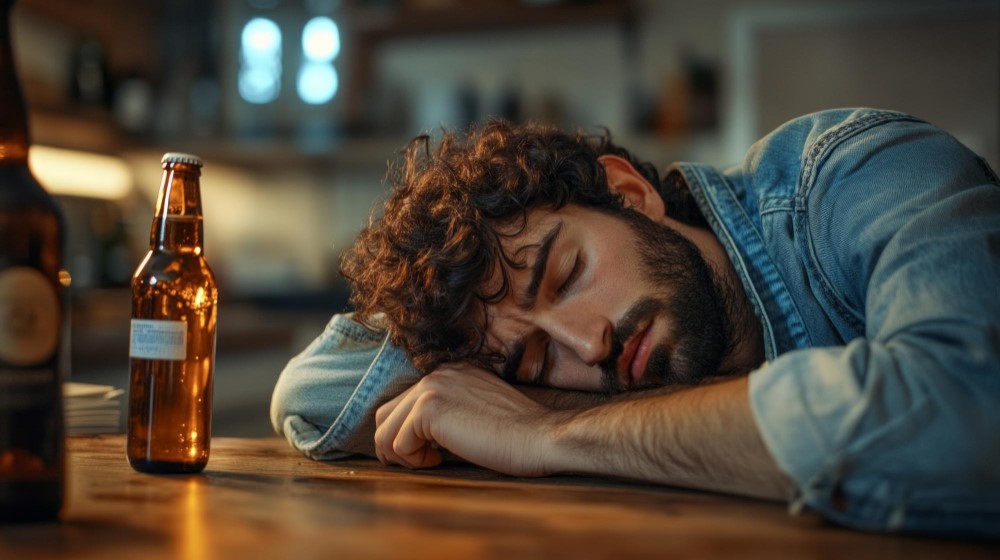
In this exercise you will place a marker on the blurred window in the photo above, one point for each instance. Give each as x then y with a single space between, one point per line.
260 61
321 40
317 81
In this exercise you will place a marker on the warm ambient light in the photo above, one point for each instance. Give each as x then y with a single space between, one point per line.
73 173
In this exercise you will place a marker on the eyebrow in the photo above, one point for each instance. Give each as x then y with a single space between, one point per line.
513 361
538 269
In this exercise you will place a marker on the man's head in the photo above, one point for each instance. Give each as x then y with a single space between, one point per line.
541 255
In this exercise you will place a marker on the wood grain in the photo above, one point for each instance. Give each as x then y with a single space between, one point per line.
260 499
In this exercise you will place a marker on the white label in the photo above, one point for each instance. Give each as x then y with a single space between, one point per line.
158 340
29 316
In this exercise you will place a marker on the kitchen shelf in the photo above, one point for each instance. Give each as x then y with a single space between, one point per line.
384 24
371 28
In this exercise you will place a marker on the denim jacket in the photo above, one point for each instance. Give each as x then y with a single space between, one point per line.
868 243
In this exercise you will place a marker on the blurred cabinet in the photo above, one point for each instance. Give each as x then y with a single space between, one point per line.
366 30
71 55
373 27
170 49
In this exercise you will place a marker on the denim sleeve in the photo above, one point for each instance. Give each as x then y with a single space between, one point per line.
899 226
325 400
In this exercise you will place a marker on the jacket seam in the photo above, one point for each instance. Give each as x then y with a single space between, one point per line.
816 157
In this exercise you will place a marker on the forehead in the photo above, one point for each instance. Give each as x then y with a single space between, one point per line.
539 221
519 242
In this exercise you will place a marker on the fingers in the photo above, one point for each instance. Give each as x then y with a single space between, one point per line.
473 414
401 434
405 426
414 443
388 419
383 411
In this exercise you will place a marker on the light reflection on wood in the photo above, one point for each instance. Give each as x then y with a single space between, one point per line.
193 545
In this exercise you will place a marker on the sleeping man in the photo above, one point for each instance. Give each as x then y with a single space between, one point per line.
820 324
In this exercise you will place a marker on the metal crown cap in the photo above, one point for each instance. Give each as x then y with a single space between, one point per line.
179 157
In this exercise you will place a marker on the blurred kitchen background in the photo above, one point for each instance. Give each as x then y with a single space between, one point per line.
296 106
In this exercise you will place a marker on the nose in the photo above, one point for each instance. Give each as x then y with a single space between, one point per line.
588 335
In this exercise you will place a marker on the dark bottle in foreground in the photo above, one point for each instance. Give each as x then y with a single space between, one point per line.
172 340
32 315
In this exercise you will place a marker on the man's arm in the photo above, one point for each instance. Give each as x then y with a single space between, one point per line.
703 437
562 399
325 399
897 227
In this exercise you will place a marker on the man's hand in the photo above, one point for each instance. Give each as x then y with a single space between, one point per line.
471 413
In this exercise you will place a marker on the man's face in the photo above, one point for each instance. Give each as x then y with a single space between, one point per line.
607 303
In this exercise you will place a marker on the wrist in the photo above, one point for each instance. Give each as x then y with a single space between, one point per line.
564 448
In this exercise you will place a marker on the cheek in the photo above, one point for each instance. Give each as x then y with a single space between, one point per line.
616 273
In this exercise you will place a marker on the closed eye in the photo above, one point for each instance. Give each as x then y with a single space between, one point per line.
573 275
542 377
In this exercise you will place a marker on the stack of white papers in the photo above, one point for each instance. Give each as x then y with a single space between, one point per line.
92 409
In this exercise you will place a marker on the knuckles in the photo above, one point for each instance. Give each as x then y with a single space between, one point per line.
429 404
436 379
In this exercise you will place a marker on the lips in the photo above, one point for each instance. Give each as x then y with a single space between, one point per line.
635 354
642 354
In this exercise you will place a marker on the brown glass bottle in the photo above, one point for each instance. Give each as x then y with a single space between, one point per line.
32 315
172 342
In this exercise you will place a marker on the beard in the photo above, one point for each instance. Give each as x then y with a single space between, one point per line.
697 302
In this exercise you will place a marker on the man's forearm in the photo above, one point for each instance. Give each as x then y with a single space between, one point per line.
561 399
703 437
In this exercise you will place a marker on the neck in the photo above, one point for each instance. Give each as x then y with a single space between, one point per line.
747 351
13 117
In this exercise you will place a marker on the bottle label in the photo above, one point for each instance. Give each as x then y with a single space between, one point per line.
158 340
29 316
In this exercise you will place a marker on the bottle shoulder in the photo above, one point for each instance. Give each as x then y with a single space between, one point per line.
19 190
32 227
172 268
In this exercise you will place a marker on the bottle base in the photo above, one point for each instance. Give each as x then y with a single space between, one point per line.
30 501
166 467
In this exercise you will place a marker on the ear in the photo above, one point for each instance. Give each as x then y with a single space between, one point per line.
639 194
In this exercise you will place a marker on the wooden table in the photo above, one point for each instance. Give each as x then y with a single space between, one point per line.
260 499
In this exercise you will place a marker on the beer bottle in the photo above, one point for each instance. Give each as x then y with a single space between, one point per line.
172 341
32 315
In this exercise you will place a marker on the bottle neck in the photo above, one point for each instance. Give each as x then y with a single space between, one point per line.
177 224
13 115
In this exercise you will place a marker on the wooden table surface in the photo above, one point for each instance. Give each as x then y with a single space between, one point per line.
260 499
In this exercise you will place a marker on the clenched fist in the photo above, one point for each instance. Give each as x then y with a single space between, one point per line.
474 415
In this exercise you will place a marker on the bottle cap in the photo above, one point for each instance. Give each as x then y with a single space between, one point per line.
178 157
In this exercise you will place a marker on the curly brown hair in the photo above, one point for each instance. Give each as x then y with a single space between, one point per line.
420 270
